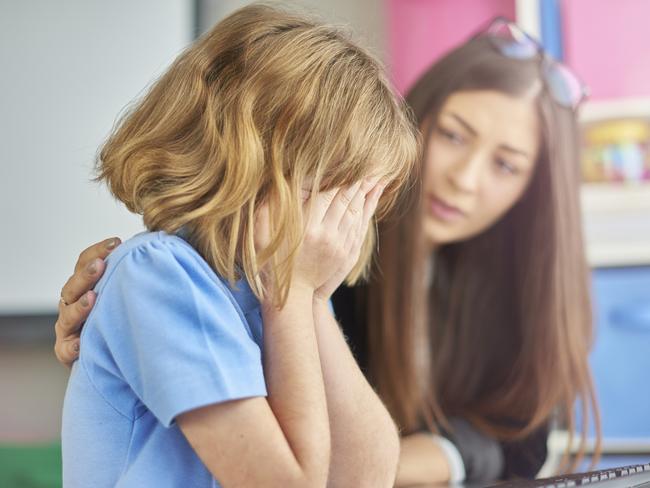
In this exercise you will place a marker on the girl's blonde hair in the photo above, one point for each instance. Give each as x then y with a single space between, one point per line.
262 103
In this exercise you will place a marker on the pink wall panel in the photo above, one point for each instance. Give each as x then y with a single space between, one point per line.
608 44
422 30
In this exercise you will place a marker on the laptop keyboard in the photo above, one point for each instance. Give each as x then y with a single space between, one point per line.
624 477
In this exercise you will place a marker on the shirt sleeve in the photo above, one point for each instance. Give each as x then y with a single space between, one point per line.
453 457
482 455
524 458
486 459
175 332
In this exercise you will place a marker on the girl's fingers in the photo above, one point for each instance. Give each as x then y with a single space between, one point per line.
358 231
372 200
320 204
340 205
359 227
353 235
369 207
353 213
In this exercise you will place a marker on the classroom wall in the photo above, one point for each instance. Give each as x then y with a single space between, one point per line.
604 42
367 17
420 32
69 68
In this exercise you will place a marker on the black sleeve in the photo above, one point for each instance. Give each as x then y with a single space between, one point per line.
487 459
350 310
524 458
482 455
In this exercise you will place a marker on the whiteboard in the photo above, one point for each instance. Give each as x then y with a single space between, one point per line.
67 69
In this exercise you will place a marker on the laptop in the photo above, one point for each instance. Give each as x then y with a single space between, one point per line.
624 477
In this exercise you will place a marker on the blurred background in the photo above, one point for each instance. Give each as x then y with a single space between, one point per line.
70 66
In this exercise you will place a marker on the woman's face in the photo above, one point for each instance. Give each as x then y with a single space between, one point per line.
480 158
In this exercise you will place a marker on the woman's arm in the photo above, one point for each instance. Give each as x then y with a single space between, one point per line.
461 454
422 460
524 458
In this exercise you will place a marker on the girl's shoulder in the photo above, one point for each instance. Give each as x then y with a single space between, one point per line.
160 256
163 274
152 242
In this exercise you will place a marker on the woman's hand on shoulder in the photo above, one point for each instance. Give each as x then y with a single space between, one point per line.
77 299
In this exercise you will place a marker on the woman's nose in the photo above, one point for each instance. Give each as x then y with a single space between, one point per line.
465 175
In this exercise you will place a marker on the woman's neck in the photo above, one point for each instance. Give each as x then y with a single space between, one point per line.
431 246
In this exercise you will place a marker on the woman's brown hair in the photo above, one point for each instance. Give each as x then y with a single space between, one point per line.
502 333
264 102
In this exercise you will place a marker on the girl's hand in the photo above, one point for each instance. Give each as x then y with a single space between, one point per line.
367 197
77 299
332 226
335 224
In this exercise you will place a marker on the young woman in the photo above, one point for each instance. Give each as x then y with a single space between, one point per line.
211 357
475 328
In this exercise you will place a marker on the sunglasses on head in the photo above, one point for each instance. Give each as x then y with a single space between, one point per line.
512 42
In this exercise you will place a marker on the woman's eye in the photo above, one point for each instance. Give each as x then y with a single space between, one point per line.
505 167
451 136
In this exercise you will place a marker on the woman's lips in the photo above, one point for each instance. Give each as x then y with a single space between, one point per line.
444 211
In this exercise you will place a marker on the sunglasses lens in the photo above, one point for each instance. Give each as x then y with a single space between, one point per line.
516 50
563 85
514 43
511 41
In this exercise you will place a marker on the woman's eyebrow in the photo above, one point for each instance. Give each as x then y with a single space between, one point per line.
464 123
473 132
514 150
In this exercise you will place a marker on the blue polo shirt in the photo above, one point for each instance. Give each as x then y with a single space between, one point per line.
166 335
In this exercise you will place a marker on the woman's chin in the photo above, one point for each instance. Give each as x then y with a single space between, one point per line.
438 234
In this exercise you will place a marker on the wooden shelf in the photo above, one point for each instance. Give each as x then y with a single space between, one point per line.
615 197
622 108
617 223
558 441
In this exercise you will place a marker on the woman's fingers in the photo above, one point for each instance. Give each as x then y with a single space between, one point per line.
77 299
89 268
83 280
68 325
72 316
99 250
67 351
